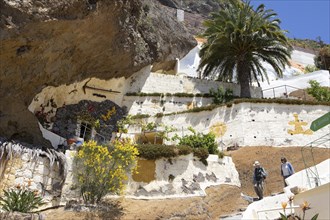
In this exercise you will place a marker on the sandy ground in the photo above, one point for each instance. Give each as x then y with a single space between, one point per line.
220 200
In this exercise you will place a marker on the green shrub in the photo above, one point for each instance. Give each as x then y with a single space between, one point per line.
221 154
140 116
318 92
124 123
143 94
156 151
200 140
202 154
184 150
221 96
103 169
310 68
20 200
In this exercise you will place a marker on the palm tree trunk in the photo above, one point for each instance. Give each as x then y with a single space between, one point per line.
244 79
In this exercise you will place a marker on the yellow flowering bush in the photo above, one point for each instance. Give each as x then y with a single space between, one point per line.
104 169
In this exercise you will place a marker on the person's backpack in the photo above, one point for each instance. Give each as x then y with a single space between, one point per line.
259 174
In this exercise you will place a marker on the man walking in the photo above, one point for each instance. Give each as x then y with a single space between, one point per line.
259 175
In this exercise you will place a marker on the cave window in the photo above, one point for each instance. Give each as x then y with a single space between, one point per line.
86 131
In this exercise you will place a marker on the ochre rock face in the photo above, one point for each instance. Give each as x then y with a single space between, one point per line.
54 42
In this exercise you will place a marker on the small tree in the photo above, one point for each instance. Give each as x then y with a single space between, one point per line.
220 95
322 60
318 92
104 169
199 140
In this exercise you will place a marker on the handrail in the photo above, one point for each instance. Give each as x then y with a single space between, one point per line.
281 86
314 174
286 90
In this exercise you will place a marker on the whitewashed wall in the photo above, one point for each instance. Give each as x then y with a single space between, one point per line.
142 81
319 200
185 169
162 83
252 124
189 173
276 88
302 57
152 105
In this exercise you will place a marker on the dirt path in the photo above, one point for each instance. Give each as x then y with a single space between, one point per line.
270 157
220 200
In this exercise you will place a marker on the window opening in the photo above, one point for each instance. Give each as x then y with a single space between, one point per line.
86 131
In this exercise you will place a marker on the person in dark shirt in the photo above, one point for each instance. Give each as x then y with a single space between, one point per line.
259 175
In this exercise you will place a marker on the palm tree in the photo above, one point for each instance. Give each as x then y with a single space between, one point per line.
241 38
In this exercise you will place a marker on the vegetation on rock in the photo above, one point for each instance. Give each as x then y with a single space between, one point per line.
157 151
310 69
321 94
308 43
221 96
199 140
322 60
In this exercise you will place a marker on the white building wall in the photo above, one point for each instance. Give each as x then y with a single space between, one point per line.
182 168
252 124
302 58
319 200
162 83
186 168
276 88
306 178
152 105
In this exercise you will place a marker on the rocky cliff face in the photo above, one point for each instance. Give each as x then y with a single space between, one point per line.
195 12
203 7
55 42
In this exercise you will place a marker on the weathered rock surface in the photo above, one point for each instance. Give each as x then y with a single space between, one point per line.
52 42
195 12
19 216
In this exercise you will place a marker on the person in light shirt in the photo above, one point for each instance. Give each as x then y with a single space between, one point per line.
286 169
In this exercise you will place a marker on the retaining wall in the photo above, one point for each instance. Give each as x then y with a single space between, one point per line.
252 124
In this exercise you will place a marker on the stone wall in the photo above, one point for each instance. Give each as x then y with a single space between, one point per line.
36 174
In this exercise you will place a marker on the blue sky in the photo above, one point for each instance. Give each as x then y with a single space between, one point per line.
302 18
